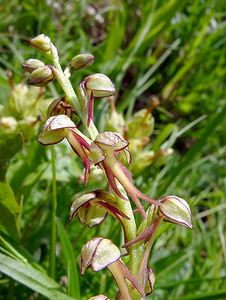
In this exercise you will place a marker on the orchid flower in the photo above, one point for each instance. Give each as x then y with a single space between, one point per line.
104 151
92 208
59 127
96 86
100 253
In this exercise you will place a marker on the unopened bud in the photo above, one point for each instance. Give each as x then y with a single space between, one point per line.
41 76
32 64
41 42
81 61
98 253
100 85
176 210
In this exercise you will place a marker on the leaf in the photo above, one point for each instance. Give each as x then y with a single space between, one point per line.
210 127
219 294
10 144
9 209
70 261
32 278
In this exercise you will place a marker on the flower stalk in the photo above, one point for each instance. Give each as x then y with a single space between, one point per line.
52 249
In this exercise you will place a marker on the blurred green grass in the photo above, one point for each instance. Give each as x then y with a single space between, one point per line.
173 50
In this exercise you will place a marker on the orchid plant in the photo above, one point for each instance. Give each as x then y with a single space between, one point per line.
105 151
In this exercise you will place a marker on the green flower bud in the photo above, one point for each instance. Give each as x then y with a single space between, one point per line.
100 85
41 76
41 42
32 64
176 210
81 61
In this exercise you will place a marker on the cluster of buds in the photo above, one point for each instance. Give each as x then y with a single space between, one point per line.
104 151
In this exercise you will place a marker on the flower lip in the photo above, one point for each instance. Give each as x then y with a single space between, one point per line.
111 139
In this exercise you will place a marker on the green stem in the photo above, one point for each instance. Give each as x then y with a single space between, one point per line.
52 250
11 289
120 280
70 93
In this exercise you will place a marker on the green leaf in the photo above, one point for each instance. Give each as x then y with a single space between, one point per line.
206 296
32 278
70 261
9 209
210 127
10 144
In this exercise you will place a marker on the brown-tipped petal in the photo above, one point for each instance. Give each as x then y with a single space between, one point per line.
99 297
87 253
32 64
98 254
53 129
176 210
109 139
106 253
150 281
80 201
100 85
41 76
58 122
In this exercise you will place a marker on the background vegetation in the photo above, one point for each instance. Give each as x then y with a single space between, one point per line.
173 51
